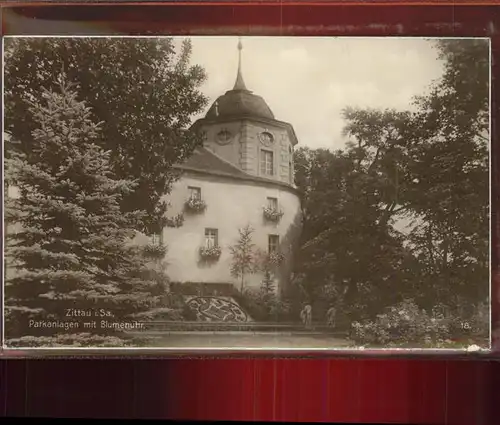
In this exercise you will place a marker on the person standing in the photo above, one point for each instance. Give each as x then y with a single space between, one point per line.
330 316
306 315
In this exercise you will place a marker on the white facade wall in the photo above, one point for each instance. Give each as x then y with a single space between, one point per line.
231 204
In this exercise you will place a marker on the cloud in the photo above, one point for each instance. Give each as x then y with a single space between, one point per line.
307 81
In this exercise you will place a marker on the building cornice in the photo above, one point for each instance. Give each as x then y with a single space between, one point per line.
262 120
259 181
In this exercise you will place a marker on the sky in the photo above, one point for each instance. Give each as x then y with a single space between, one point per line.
307 81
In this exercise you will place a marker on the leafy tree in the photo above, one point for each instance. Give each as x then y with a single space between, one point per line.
243 258
378 146
143 91
72 247
348 256
402 211
449 177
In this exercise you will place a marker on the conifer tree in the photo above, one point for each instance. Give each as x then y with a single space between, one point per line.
72 249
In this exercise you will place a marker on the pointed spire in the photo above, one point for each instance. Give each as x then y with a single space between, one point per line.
239 84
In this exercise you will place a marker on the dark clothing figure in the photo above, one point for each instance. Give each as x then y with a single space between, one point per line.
306 316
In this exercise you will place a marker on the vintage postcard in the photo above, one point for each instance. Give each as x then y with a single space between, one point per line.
192 193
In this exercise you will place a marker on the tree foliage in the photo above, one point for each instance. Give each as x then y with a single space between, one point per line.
142 91
403 210
349 254
449 176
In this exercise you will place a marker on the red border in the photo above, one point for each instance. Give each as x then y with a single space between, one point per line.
363 391
259 19
286 18
94 3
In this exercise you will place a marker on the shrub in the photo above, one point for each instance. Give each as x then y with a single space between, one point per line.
402 324
480 321
212 253
279 310
188 314
262 306
248 301
276 258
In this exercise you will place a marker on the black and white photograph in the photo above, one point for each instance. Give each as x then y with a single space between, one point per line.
254 193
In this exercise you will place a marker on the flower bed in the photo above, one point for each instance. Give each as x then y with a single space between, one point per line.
155 251
195 205
212 253
176 221
405 324
272 214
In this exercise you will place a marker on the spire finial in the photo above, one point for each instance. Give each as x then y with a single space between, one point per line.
239 84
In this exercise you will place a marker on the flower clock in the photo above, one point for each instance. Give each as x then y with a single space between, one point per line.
210 253
272 214
195 205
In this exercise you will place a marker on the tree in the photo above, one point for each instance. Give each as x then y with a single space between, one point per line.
72 249
266 297
350 255
425 170
449 177
379 147
143 93
243 259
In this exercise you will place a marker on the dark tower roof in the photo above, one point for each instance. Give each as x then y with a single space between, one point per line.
239 102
